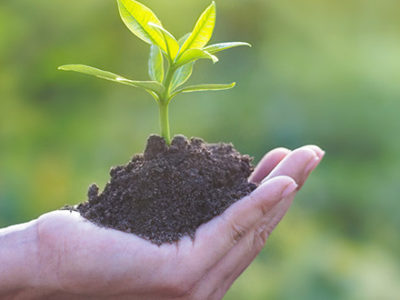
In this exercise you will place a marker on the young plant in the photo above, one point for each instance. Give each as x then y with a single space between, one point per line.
180 55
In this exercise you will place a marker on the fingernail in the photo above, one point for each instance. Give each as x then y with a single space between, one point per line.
290 188
321 154
311 165
318 151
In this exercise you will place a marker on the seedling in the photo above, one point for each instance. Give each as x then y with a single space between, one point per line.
180 55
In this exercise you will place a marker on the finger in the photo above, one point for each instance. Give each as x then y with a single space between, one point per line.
223 232
267 164
260 237
240 258
242 254
298 164
273 217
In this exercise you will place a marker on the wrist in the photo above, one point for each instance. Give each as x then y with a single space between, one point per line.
18 258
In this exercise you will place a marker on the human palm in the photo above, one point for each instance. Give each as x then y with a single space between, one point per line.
79 260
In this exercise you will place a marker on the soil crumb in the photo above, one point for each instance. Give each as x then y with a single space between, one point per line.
169 191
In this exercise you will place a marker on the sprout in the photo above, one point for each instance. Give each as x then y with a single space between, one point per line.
180 56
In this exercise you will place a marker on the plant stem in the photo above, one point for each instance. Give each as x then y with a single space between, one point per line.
167 81
164 122
163 105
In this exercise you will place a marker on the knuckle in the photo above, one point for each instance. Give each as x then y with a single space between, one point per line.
238 231
264 209
263 206
260 237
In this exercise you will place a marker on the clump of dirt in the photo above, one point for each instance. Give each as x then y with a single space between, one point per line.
169 191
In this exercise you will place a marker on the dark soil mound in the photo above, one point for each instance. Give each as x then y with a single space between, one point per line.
168 192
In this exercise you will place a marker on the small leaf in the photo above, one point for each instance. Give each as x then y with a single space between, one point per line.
171 44
202 31
195 54
183 39
156 64
136 17
203 87
181 75
223 46
147 85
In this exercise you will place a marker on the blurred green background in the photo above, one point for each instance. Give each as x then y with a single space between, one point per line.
322 72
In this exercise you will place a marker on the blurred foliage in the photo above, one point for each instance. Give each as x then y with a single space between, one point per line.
323 72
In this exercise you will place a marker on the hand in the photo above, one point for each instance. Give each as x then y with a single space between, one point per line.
75 259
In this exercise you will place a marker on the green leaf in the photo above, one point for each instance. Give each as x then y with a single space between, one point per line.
202 31
147 85
183 39
223 46
172 46
181 75
156 64
195 54
136 17
203 87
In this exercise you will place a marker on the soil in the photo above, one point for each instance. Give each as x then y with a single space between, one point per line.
169 191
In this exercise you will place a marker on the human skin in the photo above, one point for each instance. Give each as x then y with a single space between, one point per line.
60 255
